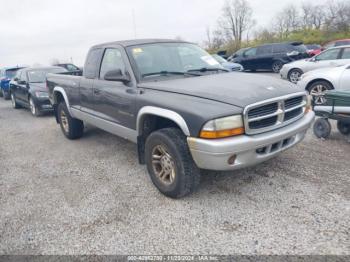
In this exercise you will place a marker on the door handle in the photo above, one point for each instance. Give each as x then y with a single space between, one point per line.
97 92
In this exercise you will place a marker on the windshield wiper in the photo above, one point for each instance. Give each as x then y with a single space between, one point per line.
165 73
208 69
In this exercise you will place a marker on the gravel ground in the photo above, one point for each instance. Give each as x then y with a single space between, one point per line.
91 197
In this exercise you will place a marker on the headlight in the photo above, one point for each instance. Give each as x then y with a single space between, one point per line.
42 94
223 127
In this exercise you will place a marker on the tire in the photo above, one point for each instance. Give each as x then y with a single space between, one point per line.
15 105
6 95
317 91
71 127
180 176
322 128
33 108
276 66
344 128
1 94
294 75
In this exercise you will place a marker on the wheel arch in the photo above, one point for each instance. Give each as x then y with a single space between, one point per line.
318 80
150 119
150 111
59 95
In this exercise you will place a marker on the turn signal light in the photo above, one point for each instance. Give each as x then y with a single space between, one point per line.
222 133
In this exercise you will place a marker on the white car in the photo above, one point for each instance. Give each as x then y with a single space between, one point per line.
317 82
332 57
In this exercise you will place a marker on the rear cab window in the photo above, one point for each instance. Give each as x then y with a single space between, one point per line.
92 63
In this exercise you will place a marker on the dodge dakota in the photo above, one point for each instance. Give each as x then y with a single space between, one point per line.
184 111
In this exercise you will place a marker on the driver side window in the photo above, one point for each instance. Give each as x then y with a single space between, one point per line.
112 60
328 55
250 52
23 77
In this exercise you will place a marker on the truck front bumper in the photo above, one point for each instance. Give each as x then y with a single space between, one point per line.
246 150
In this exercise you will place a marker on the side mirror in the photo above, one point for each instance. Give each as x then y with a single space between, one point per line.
21 82
16 79
117 76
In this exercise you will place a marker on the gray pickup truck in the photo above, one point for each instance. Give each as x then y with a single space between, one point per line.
184 111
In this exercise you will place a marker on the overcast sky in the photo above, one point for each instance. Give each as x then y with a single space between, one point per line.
35 31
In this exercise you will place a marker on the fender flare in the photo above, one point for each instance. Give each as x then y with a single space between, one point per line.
161 112
60 90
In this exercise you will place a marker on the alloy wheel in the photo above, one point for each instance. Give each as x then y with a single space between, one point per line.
13 100
32 106
276 67
64 121
294 76
318 94
163 165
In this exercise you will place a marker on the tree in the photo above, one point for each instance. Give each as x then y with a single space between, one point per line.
312 16
287 21
237 18
337 16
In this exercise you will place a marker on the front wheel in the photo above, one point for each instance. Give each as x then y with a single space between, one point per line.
318 90
294 75
344 128
170 164
71 127
276 66
33 107
322 128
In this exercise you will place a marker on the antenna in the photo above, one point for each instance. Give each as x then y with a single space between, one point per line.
134 22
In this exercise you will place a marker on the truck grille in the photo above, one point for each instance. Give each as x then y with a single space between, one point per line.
274 113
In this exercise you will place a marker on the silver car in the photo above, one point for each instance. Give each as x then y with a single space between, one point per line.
332 57
317 82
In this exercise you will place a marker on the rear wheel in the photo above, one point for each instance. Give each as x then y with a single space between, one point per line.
294 75
317 90
170 164
322 128
71 127
276 66
6 94
344 128
14 101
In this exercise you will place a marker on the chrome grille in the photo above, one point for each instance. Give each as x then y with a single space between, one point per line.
274 113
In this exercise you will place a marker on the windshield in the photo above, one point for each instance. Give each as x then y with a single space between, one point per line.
313 47
11 73
300 48
39 75
220 59
171 57
344 42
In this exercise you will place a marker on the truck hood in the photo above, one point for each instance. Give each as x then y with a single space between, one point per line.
238 89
